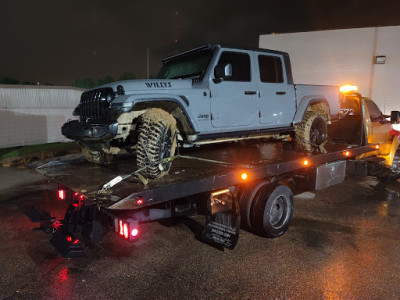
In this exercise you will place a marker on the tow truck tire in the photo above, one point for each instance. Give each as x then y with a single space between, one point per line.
272 211
97 157
312 132
156 141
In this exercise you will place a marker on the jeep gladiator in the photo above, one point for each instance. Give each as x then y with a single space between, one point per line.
209 94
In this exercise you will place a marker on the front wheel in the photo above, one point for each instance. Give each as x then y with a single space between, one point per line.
312 132
156 142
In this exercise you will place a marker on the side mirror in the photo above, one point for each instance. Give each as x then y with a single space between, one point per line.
222 71
395 117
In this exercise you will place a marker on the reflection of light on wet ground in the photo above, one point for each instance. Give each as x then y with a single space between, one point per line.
392 202
335 281
383 209
61 286
62 275
341 276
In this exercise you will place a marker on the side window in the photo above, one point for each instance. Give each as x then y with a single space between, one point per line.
240 63
270 69
374 111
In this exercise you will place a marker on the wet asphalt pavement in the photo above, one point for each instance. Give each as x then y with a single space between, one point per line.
344 243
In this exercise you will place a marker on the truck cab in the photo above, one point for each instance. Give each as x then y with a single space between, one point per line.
361 117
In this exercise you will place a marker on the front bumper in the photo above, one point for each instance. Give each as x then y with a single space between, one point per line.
78 131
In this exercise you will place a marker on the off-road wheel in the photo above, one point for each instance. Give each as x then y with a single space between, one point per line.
312 133
272 210
97 157
156 142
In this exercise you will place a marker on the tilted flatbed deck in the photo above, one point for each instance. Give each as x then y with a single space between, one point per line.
187 176
207 180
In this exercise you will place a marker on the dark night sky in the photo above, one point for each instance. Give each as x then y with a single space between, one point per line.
58 41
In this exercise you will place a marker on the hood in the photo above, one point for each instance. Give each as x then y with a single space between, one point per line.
154 85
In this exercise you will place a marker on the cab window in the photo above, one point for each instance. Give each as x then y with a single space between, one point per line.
270 69
374 111
240 63
350 106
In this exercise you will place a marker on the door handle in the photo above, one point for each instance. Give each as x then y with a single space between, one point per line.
280 93
250 92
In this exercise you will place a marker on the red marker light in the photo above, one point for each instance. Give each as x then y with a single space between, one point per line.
121 228
69 239
61 194
139 201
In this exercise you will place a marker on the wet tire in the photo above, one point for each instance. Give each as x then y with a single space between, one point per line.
312 132
156 141
272 211
97 157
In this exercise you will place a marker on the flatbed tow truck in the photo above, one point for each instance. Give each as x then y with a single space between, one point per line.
235 186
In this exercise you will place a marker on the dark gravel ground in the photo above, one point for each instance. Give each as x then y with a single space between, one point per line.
344 243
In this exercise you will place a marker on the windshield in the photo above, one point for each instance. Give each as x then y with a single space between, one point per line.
193 64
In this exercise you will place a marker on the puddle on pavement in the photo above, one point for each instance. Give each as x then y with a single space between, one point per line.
390 207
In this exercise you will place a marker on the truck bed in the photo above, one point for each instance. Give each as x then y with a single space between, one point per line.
188 176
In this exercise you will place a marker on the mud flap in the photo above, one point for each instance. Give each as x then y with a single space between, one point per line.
67 246
222 219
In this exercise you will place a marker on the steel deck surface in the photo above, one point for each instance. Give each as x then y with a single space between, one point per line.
186 177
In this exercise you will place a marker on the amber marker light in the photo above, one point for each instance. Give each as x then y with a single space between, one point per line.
244 176
306 162
348 88
377 147
346 153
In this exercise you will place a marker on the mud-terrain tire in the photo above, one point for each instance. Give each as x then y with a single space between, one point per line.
97 157
312 132
156 141
272 211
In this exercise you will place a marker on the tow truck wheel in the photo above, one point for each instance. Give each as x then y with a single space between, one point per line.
156 142
97 157
272 212
312 132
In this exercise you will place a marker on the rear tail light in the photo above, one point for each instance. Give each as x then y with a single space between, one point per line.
74 198
128 229
61 194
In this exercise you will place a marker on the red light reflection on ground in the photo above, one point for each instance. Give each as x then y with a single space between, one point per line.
62 275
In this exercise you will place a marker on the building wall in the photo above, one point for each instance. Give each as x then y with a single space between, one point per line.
32 115
346 56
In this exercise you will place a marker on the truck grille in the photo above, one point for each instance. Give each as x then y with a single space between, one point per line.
94 104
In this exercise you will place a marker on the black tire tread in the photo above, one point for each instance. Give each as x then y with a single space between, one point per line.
154 129
303 130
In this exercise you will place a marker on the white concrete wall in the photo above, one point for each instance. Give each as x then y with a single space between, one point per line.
32 115
346 56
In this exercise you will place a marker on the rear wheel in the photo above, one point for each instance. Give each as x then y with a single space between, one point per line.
156 142
272 211
312 132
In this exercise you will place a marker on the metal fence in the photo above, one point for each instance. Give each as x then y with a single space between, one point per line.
32 115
